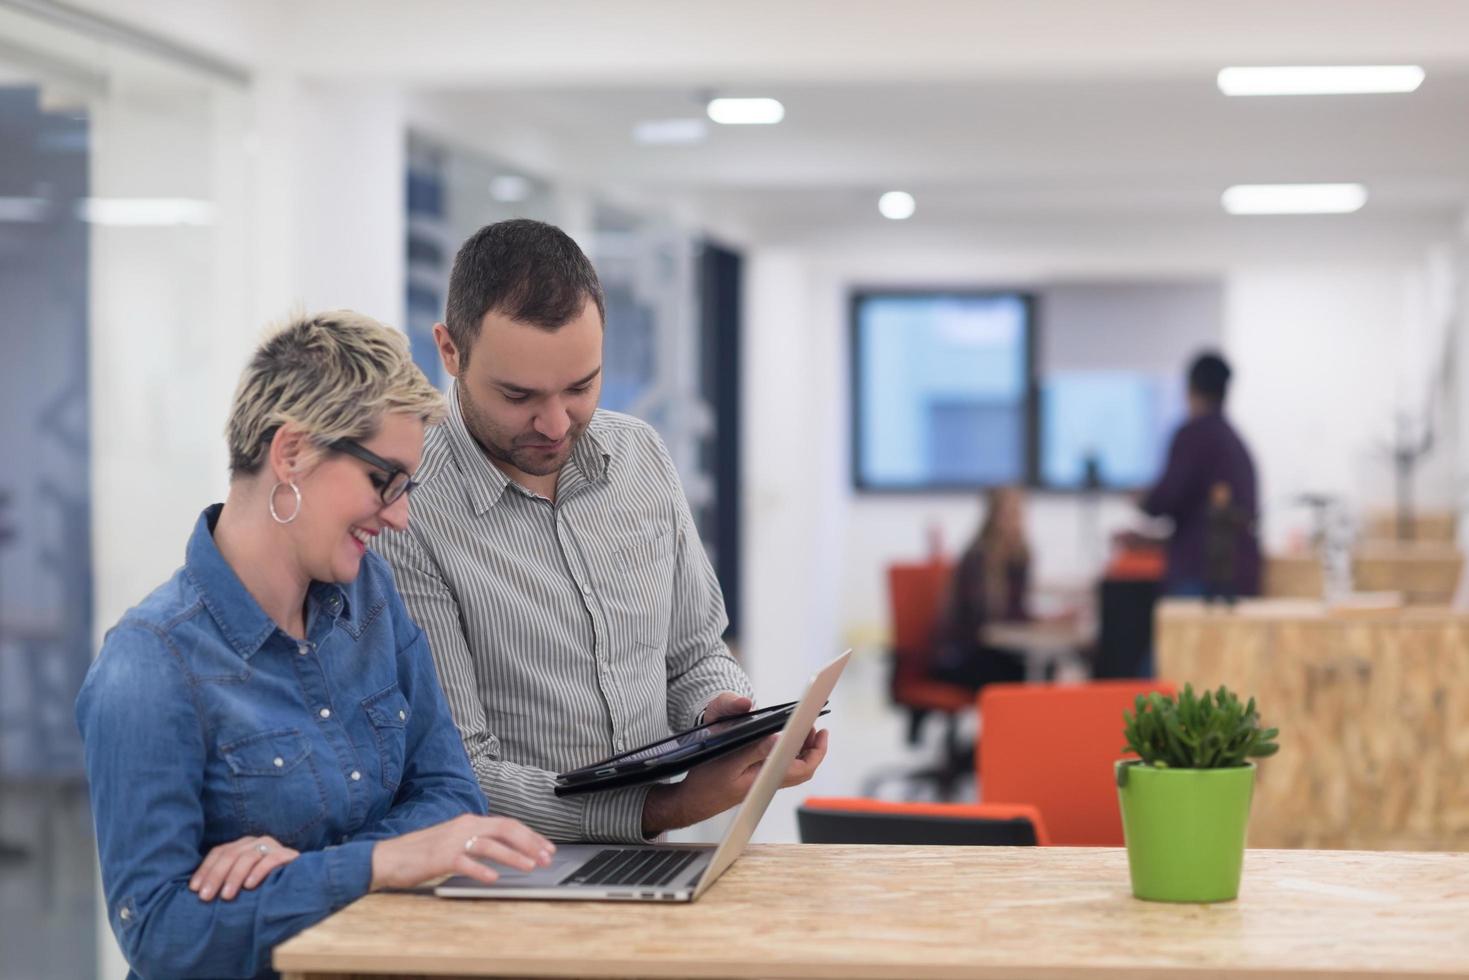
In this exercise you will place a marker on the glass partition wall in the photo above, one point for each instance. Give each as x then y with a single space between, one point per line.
125 270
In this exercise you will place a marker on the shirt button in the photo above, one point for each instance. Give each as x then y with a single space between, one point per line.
586 590
356 775
325 712
303 648
279 762
125 914
402 716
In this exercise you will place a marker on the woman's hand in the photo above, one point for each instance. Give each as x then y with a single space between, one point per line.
242 863
452 847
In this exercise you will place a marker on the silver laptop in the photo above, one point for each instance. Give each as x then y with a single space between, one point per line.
659 872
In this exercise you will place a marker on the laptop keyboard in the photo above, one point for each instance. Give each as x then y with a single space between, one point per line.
617 866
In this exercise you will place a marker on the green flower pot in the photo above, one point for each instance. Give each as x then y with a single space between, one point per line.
1185 830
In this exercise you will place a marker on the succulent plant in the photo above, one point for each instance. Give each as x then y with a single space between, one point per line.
1215 731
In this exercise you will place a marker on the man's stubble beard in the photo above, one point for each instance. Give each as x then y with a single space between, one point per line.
487 437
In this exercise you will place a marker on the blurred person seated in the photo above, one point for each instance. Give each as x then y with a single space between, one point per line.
265 736
990 584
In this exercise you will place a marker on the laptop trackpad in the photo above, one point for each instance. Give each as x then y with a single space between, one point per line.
568 858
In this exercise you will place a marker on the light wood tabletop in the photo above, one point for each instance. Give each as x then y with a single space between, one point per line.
790 910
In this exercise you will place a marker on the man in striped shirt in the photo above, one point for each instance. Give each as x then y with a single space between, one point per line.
553 562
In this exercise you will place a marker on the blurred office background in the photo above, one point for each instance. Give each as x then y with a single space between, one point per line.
835 382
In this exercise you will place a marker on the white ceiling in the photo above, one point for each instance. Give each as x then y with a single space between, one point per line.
983 109
632 42
1008 146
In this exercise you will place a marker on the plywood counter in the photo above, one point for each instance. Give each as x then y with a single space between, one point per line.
1373 709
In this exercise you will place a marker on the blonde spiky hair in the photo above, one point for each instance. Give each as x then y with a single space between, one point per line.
334 375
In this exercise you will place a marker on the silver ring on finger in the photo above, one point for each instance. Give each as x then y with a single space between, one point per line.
469 844
263 847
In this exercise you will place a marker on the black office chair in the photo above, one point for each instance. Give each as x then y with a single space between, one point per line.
848 820
1125 634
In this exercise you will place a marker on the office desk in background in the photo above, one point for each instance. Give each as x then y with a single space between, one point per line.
1424 573
805 910
1051 648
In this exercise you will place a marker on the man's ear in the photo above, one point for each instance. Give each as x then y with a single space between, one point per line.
448 350
290 453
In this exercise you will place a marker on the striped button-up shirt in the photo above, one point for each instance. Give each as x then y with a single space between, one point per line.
563 632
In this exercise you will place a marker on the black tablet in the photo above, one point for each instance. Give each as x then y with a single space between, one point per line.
676 753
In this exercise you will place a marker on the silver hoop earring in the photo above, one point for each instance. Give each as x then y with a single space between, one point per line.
295 513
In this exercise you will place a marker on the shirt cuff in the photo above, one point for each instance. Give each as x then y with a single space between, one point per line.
348 872
615 815
699 718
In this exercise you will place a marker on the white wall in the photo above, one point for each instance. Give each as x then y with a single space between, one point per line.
176 311
331 185
169 329
792 471
1321 380
1323 330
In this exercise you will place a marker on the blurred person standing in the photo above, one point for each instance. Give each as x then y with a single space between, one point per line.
1208 462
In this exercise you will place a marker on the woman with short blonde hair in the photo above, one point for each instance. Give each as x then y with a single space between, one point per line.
265 736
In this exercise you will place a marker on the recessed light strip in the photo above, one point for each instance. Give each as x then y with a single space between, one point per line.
746 112
1321 80
1294 198
145 212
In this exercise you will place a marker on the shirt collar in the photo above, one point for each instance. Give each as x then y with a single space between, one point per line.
590 454
239 617
485 483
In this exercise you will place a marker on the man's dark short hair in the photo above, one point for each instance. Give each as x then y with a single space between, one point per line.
1208 377
526 270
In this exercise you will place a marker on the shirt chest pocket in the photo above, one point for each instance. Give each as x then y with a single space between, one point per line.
276 787
388 712
637 590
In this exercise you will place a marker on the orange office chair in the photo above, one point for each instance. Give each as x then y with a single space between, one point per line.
916 593
1137 564
852 820
1053 747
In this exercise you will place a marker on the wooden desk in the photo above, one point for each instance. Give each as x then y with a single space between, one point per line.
1426 573
1440 526
1045 644
1373 709
1292 577
805 910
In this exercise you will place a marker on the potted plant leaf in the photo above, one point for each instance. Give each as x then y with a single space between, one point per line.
1186 799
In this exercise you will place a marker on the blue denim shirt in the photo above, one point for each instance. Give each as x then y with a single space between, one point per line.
203 722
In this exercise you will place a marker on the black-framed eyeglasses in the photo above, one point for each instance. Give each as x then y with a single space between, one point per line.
392 483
